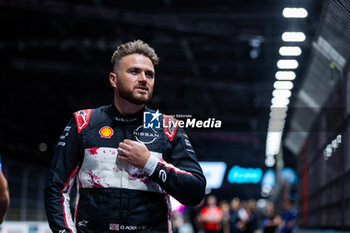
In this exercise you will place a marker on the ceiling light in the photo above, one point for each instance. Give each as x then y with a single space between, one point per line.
285 75
293 36
278 110
276 125
278 114
282 93
283 85
271 136
294 12
269 162
290 51
279 102
42 147
273 150
287 64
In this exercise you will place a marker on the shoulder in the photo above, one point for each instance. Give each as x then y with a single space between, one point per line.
170 126
85 116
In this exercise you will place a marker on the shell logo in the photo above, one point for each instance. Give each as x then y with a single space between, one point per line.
106 132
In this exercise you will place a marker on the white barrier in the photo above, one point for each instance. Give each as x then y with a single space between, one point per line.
24 227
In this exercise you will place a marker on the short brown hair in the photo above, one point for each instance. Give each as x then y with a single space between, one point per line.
132 47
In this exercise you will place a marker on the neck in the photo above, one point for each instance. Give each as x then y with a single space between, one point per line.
126 108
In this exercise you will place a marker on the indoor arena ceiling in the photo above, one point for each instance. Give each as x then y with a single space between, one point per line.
218 60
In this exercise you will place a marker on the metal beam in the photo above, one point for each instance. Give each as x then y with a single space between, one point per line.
160 21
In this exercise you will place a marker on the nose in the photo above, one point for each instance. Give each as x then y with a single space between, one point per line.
142 77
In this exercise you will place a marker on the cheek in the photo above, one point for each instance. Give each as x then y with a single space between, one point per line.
151 84
127 82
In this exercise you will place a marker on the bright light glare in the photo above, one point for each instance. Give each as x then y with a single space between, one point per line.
277 115
273 142
277 122
269 162
285 75
287 64
279 109
294 12
276 125
290 51
274 136
293 36
283 85
282 93
279 102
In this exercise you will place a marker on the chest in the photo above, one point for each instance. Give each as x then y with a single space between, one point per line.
101 166
109 135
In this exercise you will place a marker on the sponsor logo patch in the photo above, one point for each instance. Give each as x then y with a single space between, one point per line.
145 136
82 223
82 118
170 126
106 132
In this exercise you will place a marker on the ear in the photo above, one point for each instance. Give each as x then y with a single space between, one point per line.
113 79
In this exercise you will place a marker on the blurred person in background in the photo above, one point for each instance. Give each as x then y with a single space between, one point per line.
4 195
225 208
192 215
211 216
270 220
289 216
236 224
125 171
177 220
252 223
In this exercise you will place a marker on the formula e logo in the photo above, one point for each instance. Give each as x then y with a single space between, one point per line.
151 120
162 175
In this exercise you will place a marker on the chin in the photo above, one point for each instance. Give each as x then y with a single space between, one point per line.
142 98
140 101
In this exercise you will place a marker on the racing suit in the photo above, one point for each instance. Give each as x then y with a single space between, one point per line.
112 195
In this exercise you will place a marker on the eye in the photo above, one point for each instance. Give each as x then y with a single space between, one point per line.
134 71
150 74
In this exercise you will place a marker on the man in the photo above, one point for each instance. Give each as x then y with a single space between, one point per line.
211 216
4 195
289 216
124 171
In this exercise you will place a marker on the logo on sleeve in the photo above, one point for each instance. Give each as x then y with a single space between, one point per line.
106 132
170 126
162 175
82 118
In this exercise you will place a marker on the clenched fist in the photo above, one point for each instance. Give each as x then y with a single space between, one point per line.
135 153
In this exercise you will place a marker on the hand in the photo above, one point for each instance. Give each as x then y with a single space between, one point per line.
135 153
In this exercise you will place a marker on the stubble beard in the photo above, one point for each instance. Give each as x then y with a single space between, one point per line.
129 96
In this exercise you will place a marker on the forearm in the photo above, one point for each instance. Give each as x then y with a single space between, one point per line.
185 185
4 197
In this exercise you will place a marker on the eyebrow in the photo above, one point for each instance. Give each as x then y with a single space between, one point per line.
137 68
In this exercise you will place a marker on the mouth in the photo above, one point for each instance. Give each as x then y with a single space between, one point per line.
142 89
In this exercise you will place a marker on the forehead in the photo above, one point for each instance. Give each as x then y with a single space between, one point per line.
137 60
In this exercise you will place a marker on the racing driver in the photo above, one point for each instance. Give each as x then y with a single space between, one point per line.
121 160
